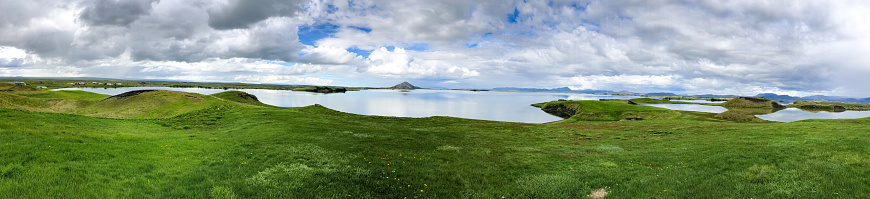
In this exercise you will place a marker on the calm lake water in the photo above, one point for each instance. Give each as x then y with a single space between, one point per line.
784 115
700 101
794 114
488 105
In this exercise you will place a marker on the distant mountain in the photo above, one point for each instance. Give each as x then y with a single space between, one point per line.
813 98
622 93
714 96
562 89
662 94
404 85
773 96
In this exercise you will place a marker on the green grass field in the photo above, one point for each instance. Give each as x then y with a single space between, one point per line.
165 144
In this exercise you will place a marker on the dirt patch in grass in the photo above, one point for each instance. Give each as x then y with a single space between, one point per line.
598 193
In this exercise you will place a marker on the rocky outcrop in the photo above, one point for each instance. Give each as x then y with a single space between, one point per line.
559 110
247 96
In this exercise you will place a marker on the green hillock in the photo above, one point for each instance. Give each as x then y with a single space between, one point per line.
590 110
744 109
70 94
820 106
240 97
141 104
751 102
13 87
6 86
154 104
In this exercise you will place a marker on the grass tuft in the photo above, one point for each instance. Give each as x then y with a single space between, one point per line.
760 173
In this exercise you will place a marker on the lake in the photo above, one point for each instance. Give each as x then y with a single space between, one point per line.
486 105
795 114
784 115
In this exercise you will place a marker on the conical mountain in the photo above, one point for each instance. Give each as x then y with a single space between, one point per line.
404 85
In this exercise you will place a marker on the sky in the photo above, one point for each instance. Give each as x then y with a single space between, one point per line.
743 47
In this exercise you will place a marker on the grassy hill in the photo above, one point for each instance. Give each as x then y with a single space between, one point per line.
239 96
157 104
751 102
589 110
222 148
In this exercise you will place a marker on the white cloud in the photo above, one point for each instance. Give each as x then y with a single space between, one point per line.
741 46
631 81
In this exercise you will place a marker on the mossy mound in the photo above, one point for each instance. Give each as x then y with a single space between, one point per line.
590 110
751 102
240 97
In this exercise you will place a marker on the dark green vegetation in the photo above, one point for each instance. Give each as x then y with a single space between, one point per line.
183 145
322 89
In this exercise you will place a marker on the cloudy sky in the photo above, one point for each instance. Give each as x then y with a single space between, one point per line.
693 47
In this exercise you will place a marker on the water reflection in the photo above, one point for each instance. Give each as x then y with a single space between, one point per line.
691 107
794 114
700 101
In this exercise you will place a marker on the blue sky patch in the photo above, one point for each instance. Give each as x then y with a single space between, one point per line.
512 18
310 34
364 29
419 47
577 6
361 52
280 63
331 8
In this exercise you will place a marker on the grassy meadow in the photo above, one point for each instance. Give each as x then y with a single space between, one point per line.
166 144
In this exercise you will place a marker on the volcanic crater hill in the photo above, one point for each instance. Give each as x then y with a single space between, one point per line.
141 104
404 85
